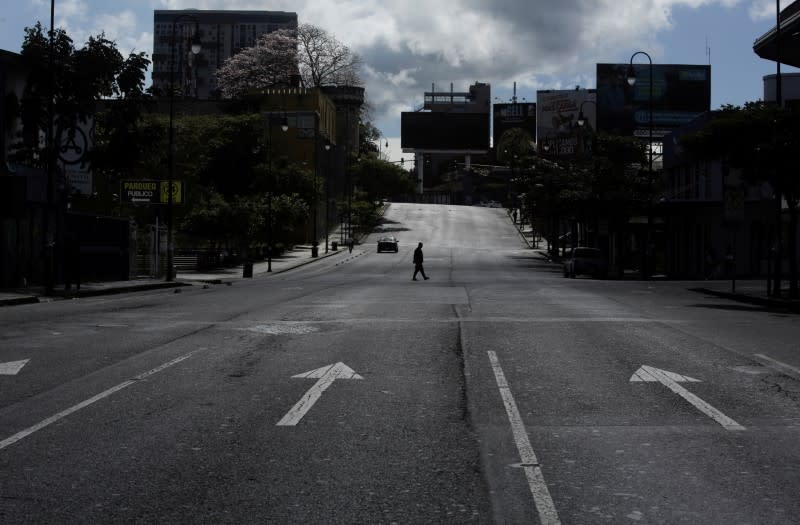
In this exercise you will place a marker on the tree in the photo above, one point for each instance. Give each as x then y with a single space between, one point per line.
270 62
80 79
368 137
761 140
324 61
514 142
122 139
311 53
378 178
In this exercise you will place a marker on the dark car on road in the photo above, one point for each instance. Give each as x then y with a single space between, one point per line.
387 244
586 261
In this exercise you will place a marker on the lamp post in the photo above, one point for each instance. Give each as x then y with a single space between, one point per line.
380 153
631 81
284 128
171 152
582 121
327 193
49 278
314 241
581 117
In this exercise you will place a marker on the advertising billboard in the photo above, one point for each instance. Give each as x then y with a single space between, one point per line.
513 115
444 131
680 94
557 131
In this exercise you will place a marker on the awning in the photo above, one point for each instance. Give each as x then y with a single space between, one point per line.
766 46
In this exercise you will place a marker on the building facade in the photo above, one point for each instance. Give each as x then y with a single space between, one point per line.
449 127
222 35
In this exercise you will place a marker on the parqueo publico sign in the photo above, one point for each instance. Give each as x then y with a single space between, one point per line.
150 191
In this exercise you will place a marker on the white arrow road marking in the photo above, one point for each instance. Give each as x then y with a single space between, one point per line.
326 376
12 368
533 471
671 380
643 375
94 399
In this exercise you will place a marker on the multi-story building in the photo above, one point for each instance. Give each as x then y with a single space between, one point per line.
448 127
222 34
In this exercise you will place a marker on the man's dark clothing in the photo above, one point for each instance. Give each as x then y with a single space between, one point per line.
418 263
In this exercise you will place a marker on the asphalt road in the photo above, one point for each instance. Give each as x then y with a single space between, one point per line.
344 392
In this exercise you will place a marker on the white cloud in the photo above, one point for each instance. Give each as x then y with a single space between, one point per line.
765 9
543 44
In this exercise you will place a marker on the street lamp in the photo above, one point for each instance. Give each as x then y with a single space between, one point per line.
49 277
631 81
581 117
582 123
284 127
327 193
171 154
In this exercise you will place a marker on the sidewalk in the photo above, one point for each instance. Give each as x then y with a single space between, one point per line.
750 291
298 256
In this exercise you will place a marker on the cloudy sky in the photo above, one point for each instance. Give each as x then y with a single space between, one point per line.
409 45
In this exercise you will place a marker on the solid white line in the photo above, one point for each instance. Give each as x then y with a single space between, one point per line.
533 472
699 404
83 404
789 370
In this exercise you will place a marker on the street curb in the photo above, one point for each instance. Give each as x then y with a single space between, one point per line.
298 265
126 289
86 292
16 301
777 304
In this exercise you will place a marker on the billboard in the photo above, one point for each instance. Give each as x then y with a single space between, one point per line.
513 115
680 94
557 130
444 131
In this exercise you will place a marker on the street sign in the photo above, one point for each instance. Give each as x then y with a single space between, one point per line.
150 191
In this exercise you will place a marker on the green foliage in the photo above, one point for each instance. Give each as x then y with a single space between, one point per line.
759 138
368 137
224 160
365 215
78 79
610 181
378 179
514 142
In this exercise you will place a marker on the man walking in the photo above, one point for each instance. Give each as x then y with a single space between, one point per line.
418 263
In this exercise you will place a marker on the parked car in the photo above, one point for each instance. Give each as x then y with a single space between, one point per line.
388 244
586 261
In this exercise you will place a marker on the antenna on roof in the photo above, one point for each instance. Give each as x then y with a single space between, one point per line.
708 51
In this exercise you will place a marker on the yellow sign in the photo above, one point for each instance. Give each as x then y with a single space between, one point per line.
177 192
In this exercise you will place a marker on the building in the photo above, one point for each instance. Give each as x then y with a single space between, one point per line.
707 213
512 115
780 43
222 35
449 127
790 88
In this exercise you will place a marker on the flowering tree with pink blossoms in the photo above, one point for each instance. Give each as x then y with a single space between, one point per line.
270 62
310 53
